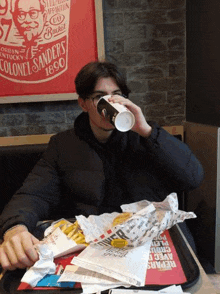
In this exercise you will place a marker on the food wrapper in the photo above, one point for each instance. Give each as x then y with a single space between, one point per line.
148 221
45 265
128 266
128 263
117 255
58 242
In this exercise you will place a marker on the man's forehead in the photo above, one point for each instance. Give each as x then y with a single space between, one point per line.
28 4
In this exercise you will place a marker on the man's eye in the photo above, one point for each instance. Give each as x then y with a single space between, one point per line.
98 97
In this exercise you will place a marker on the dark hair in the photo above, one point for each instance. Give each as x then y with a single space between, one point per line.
89 75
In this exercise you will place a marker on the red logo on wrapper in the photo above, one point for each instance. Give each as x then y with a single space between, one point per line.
34 39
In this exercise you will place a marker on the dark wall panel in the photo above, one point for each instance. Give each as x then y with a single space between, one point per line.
203 61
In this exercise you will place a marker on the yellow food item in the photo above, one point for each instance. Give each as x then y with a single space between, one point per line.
119 243
73 231
71 228
63 227
121 218
60 223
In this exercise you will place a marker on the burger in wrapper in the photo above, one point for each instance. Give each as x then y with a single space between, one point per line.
138 223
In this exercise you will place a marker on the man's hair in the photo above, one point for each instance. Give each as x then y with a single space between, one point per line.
89 75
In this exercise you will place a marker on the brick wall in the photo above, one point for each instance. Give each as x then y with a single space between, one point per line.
146 38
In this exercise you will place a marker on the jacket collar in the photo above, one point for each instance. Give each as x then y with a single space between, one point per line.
116 142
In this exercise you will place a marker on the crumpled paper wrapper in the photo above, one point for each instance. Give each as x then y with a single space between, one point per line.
41 268
149 220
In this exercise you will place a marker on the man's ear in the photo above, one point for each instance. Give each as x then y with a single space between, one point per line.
82 103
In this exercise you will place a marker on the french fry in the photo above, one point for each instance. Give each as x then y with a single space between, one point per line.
63 227
72 227
74 236
80 238
73 231
60 223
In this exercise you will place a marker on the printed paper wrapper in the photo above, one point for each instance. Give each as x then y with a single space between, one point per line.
127 265
149 220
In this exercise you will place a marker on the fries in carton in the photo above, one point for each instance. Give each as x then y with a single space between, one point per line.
64 237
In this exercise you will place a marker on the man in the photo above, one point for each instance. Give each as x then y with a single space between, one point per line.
93 168
29 18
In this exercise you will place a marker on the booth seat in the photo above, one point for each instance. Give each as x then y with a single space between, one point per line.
18 155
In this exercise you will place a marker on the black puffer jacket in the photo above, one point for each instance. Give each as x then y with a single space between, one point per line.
78 175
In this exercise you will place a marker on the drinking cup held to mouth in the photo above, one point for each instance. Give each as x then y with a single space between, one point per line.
117 114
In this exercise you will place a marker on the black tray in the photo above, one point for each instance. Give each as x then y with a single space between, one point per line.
11 280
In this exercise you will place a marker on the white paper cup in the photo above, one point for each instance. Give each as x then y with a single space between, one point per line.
117 114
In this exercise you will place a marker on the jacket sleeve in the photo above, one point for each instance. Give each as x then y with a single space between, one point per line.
39 194
173 160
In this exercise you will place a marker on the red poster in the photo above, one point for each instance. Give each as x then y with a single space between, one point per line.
44 43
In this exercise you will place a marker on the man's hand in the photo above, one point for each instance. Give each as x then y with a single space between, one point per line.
17 249
141 126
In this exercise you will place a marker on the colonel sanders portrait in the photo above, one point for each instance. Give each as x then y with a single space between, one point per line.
29 17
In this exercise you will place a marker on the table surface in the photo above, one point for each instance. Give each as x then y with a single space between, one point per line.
203 285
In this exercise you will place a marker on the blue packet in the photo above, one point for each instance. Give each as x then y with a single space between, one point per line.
51 281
